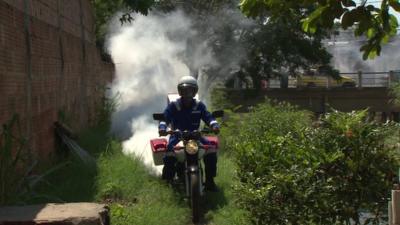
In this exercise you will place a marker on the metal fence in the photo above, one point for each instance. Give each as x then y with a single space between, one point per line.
361 79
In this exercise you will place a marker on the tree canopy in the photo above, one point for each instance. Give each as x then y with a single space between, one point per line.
258 48
105 9
253 49
375 23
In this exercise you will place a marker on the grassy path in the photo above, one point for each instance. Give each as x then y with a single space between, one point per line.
140 198
133 194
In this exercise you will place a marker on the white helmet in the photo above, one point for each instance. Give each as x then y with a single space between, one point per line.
187 87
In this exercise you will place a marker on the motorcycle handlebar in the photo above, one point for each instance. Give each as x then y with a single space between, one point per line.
170 132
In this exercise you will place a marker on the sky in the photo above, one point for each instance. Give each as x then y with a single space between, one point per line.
347 55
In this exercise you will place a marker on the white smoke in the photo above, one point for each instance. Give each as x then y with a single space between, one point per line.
347 57
148 57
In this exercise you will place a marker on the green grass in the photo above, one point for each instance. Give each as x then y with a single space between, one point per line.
137 197
140 198
133 194
73 181
221 205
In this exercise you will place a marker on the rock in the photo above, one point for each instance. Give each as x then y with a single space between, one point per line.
56 214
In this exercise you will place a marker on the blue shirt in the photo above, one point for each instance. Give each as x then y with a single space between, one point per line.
182 118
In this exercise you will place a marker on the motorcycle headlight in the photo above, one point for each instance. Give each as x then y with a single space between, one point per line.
192 147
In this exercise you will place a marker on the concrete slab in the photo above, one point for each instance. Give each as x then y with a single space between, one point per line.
56 214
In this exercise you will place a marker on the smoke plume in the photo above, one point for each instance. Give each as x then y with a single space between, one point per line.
148 57
347 57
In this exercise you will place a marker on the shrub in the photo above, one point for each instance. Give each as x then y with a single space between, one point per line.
107 106
111 191
18 178
357 164
13 156
292 172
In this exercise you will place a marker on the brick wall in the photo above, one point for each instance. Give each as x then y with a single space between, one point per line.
49 64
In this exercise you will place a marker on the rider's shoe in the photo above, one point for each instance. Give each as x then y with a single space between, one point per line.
169 182
210 185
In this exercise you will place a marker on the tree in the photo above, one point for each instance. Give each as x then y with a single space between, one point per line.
256 48
280 47
377 24
105 9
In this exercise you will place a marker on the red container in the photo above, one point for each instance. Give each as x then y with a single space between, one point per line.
214 141
158 148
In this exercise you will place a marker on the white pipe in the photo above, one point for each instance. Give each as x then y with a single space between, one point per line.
396 207
390 219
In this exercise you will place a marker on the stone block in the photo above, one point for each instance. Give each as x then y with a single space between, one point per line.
56 214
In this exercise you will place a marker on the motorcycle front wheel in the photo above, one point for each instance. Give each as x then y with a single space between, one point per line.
195 196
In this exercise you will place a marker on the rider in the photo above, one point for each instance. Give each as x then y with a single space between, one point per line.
185 114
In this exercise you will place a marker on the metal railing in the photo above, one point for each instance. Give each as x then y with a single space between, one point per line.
370 79
360 79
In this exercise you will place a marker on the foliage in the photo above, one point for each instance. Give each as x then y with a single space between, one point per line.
12 151
360 161
250 49
137 197
253 49
219 99
377 24
107 106
64 185
294 172
395 93
221 207
105 10
280 47
18 179
134 194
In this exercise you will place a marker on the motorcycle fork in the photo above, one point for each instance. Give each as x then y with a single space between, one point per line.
193 165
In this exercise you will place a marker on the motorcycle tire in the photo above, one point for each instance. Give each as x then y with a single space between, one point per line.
195 197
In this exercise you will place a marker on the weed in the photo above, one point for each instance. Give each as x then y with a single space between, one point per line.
17 179
325 174
133 194
107 106
111 191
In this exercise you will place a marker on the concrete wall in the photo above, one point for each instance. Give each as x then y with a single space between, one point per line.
320 100
49 64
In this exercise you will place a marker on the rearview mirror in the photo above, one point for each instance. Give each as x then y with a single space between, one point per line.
159 116
218 113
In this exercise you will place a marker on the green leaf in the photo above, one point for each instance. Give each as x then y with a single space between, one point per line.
372 53
385 39
251 8
310 23
395 4
371 32
312 29
245 7
348 19
305 24
318 12
336 10
393 21
348 3
362 27
308 26
366 49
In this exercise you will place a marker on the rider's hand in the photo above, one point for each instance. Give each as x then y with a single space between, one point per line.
215 129
162 132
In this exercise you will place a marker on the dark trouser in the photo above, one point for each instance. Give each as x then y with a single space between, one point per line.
171 166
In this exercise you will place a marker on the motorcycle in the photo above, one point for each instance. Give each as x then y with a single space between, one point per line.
189 154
